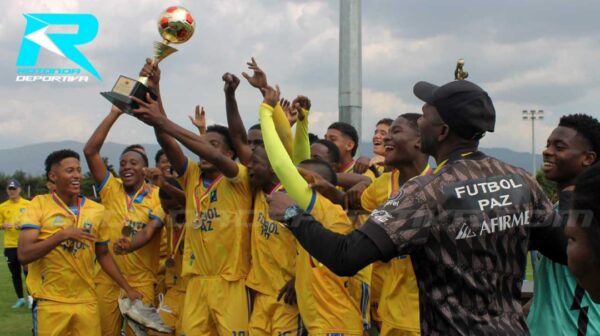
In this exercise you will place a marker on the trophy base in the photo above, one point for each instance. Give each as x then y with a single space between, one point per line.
124 88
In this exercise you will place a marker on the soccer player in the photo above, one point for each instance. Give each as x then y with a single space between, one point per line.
132 205
10 220
61 235
376 162
273 249
467 227
217 240
326 301
584 232
560 306
395 299
345 137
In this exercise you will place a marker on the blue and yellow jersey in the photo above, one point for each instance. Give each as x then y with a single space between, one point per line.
135 211
66 274
217 238
273 251
11 213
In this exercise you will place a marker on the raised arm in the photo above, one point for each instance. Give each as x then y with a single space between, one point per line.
280 161
301 141
239 138
149 112
91 150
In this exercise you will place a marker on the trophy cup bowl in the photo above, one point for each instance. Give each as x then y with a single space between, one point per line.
175 25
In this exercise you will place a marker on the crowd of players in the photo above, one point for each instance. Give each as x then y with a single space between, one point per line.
278 232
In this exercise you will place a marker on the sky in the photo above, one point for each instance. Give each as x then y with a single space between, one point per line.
526 54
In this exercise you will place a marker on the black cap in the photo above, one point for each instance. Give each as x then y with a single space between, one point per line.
464 106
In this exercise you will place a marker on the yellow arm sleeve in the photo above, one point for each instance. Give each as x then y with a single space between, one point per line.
301 141
282 164
283 128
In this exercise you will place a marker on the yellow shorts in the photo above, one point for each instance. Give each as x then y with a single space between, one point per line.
110 315
215 306
272 317
390 330
380 271
52 318
174 301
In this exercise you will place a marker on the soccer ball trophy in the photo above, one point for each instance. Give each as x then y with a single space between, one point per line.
175 25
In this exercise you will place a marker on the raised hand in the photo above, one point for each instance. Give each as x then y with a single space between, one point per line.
271 96
199 119
152 71
231 83
291 114
148 111
361 165
259 78
155 176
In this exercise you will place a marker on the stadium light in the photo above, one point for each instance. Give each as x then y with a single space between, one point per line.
533 115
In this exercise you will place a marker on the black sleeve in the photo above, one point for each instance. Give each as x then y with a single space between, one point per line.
550 240
344 255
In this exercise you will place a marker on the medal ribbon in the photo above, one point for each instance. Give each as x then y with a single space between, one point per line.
277 187
129 202
198 199
68 209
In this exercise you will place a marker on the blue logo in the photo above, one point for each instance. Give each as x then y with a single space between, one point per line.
63 44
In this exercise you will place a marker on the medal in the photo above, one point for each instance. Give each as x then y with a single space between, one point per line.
126 231
196 223
170 263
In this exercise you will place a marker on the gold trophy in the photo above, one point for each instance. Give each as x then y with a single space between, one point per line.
459 73
175 25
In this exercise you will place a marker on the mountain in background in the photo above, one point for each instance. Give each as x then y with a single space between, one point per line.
30 158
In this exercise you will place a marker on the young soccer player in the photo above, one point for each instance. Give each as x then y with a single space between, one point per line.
61 235
132 205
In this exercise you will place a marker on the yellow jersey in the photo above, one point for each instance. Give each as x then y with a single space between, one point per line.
135 211
324 299
273 250
11 213
217 238
174 260
399 293
66 274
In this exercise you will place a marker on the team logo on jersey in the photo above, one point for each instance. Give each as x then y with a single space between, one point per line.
22 210
41 32
213 196
58 221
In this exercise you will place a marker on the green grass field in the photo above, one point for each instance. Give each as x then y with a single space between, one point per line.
13 322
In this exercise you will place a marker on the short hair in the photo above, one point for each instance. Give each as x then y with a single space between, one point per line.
412 119
334 151
57 156
347 130
385 121
587 197
312 138
137 148
224 132
160 153
163 194
323 169
254 127
586 126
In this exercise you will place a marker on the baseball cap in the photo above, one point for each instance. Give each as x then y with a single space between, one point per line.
463 106
12 183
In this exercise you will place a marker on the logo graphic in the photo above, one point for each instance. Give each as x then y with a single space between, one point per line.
465 232
213 196
64 44
58 221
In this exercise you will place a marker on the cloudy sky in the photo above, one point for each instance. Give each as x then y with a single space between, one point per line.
526 54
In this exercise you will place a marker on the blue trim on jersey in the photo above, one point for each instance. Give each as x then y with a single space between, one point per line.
103 183
34 317
364 305
30 226
311 204
184 168
155 217
103 243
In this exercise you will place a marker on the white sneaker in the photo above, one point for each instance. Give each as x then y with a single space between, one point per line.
137 328
148 317
29 301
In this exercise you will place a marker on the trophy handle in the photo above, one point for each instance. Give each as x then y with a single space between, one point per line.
161 51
